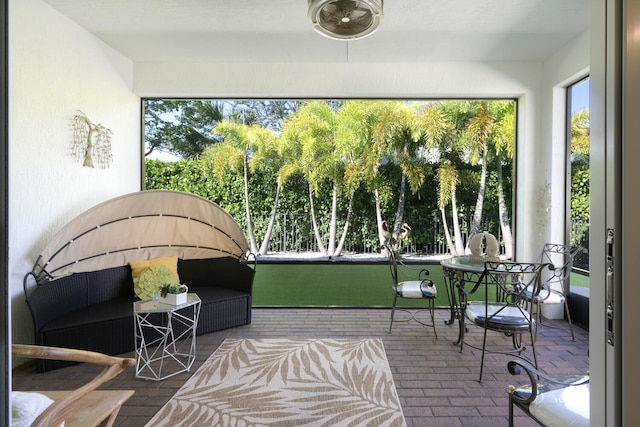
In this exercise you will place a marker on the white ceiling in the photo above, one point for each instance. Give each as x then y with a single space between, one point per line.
279 31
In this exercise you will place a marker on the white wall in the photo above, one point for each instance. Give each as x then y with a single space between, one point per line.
56 68
560 71
342 80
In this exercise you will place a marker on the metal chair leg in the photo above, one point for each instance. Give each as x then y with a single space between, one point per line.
484 346
566 309
393 311
433 317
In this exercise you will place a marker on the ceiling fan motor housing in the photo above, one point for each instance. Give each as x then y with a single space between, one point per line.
345 19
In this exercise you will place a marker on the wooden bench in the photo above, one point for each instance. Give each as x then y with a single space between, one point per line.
550 401
85 406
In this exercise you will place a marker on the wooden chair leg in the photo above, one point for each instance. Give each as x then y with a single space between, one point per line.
112 418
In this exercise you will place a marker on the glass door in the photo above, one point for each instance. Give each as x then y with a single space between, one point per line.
578 197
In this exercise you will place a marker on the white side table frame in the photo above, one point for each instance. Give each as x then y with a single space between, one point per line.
166 349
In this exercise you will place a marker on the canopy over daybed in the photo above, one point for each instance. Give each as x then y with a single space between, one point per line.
141 225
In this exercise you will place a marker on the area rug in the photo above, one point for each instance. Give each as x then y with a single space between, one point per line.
288 382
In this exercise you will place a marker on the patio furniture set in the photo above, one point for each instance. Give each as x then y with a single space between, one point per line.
510 296
88 300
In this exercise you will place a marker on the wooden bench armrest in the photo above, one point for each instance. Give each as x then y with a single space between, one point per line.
56 413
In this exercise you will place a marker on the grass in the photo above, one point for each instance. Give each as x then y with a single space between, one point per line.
343 284
580 280
338 284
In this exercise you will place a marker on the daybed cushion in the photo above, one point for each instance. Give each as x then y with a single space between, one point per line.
564 407
27 406
100 327
222 308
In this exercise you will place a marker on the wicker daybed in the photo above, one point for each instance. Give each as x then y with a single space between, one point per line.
80 291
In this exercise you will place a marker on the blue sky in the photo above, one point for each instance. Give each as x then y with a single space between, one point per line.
580 96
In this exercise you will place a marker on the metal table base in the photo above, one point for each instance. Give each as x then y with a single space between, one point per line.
165 337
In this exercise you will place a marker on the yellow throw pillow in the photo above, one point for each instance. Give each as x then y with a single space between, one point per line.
137 267
151 280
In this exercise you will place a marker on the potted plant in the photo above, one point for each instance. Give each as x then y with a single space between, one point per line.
173 294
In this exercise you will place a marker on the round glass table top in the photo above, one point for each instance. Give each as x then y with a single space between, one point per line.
467 262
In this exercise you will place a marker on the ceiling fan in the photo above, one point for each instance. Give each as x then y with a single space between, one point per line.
345 19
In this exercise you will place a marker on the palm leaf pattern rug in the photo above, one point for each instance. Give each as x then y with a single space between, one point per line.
288 382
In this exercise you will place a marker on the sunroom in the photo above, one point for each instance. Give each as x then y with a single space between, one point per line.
102 59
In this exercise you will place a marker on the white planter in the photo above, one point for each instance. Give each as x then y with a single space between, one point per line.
174 299
553 311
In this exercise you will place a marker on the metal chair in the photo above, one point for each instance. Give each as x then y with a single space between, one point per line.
504 306
419 287
549 400
555 285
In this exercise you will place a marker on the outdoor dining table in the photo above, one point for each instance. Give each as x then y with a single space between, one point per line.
457 271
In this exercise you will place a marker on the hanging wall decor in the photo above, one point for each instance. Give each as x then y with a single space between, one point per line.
91 142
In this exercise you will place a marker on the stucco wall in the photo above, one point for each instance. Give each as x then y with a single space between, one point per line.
56 68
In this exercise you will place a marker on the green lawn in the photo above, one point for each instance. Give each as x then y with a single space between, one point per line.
580 280
341 284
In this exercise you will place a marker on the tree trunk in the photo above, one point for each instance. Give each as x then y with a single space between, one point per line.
343 238
264 248
381 238
456 226
400 211
316 232
477 214
504 217
447 233
252 237
333 225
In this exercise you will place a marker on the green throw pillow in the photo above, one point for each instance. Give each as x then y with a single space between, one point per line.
148 284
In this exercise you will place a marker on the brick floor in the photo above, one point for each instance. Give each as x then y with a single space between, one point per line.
437 384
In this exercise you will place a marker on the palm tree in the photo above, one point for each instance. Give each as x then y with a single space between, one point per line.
504 147
447 183
452 151
240 142
476 136
402 133
355 147
310 141
580 138
268 156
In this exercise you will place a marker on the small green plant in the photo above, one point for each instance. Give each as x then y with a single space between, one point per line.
172 289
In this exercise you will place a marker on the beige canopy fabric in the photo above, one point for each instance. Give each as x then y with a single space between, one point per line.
140 226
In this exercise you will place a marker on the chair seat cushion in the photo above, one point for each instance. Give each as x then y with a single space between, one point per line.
417 289
567 406
498 316
548 296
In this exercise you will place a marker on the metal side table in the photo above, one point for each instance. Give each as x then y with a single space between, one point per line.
165 337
